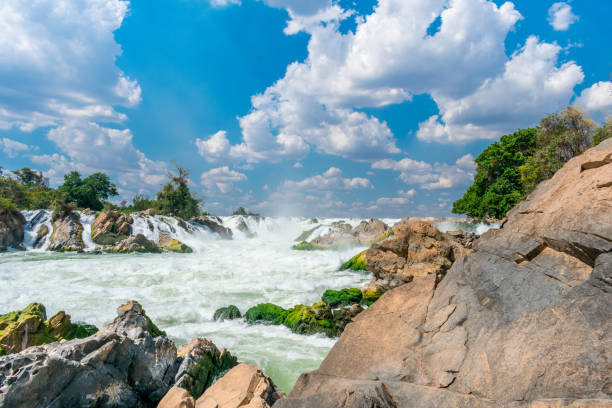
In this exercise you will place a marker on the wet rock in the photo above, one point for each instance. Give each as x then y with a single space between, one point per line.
12 224
266 312
200 363
342 297
373 290
243 386
214 224
356 263
173 245
345 315
342 235
110 227
42 233
135 243
415 250
227 313
67 234
521 321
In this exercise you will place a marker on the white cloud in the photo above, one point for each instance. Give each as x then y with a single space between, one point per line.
331 180
597 99
215 147
560 16
431 176
221 180
223 3
89 147
12 147
392 203
298 165
530 86
57 61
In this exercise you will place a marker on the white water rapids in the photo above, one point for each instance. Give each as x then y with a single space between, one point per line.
180 292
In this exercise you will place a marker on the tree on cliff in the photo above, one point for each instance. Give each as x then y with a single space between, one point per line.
175 198
508 170
89 192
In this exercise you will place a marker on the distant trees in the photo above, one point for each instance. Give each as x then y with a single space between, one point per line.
242 211
28 189
89 192
175 198
508 170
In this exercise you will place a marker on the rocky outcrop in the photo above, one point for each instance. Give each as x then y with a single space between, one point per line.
111 227
342 235
135 243
415 250
173 245
214 224
67 234
522 321
129 363
30 327
12 224
243 386
227 313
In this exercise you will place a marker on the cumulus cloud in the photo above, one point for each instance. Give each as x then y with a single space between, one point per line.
331 180
597 100
221 180
389 204
223 3
561 17
530 86
12 147
431 176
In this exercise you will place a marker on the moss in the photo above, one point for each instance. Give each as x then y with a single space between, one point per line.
371 295
109 238
356 263
152 327
211 366
227 313
342 297
267 312
177 246
307 246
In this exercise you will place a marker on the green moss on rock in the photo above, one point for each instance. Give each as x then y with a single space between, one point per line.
356 263
370 296
227 313
307 246
267 312
342 297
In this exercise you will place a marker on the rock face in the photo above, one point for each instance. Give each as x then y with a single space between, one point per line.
30 327
213 224
522 321
173 245
135 243
111 227
67 234
12 225
243 386
342 235
129 363
415 250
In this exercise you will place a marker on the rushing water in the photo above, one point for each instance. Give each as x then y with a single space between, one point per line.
180 292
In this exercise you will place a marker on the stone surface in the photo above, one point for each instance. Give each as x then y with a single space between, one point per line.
111 227
177 398
415 250
522 321
342 234
214 224
12 224
67 234
243 386
174 245
227 313
135 243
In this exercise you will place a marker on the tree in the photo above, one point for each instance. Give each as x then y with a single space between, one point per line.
141 203
31 178
89 192
497 183
175 198
602 133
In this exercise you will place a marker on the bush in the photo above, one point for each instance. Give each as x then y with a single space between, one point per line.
88 192
7 205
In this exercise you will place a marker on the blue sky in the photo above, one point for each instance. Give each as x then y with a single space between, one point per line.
320 107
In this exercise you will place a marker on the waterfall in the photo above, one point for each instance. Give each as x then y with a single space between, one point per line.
35 220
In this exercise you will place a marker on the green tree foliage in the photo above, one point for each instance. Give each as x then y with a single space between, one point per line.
28 190
242 211
497 183
89 192
141 203
510 169
175 198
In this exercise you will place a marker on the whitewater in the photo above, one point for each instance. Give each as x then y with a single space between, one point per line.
180 292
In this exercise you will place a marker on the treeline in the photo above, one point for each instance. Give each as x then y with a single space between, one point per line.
508 170
29 190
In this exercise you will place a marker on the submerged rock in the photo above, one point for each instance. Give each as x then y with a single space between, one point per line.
214 224
266 312
30 327
521 321
12 225
110 227
173 245
243 386
227 313
67 234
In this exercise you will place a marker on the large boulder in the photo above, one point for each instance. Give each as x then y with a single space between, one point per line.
12 224
173 245
30 327
111 227
243 386
135 243
214 224
522 321
415 250
67 234
342 235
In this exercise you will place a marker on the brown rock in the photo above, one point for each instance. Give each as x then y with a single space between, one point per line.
12 224
67 234
213 223
177 398
243 386
135 243
111 227
522 321
415 250
367 232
